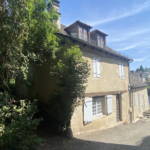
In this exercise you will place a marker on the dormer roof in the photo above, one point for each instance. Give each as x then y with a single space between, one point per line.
97 31
64 32
80 23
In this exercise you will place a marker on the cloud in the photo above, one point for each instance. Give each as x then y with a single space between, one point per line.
127 48
132 46
127 34
140 59
138 9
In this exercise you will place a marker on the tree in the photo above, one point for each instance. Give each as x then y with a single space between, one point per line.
138 69
141 68
72 70
26 37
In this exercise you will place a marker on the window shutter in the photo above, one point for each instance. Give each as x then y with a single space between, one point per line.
109 104
122 71
94 66
98 68
88 114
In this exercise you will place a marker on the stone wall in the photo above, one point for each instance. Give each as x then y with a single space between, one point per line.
103 121
135 104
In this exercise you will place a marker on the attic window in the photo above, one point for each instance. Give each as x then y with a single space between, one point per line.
100 41
83 34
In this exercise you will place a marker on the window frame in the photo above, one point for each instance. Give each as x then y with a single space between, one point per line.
101 41
101 111
122 70
83 32
97 61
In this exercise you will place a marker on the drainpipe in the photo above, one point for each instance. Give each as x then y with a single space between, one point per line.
130 96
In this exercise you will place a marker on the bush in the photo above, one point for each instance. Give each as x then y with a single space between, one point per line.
20 126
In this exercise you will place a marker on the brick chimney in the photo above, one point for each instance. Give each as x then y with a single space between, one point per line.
55 7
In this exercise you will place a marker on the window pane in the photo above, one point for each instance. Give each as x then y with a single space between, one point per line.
81 35
85 35
80 29
97 106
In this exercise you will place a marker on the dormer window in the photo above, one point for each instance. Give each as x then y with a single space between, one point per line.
98 38
83 34
100 41
79 30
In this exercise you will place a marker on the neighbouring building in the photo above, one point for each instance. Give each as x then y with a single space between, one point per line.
107 101
139 97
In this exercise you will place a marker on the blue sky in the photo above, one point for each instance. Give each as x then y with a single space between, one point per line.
127 22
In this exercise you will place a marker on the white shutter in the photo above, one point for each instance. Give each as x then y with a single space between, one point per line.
88 114
122 71
98 68
94 66
109 104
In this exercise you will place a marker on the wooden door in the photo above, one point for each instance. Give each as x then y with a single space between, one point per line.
117 108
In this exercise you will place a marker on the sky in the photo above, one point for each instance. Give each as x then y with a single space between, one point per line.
127 23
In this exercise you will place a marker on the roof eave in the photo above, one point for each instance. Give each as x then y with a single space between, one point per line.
92 45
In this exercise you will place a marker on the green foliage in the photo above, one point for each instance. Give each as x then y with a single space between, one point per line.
72 70
20 132
148 89
138 69
26 37
141 68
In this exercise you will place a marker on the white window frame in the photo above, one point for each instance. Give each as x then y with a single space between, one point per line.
121 70
97 106
83 34
96 67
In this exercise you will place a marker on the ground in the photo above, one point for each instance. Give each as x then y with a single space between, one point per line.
134 136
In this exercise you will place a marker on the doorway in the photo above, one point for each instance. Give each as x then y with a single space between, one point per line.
117 109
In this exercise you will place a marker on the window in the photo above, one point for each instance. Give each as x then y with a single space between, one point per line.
101 41
97 105
121 70
96 67
83 34
94 107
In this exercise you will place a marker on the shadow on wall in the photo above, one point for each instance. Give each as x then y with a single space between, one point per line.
58 143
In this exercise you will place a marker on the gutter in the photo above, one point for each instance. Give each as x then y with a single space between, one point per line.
130 95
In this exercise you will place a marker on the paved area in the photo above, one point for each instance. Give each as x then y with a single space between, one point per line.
123 137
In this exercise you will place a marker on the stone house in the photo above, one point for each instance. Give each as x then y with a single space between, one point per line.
107 96
139 97
107 101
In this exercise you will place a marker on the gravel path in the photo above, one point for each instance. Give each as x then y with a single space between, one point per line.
123 137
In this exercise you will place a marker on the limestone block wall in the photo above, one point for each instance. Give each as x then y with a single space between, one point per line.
142 93
103 121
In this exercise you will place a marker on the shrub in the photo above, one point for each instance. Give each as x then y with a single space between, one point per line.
20 126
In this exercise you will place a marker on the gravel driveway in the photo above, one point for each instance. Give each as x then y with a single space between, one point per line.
134 136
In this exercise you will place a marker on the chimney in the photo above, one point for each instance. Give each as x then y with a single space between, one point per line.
56 7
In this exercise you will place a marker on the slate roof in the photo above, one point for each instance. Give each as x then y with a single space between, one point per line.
107 49
136 82
99 32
